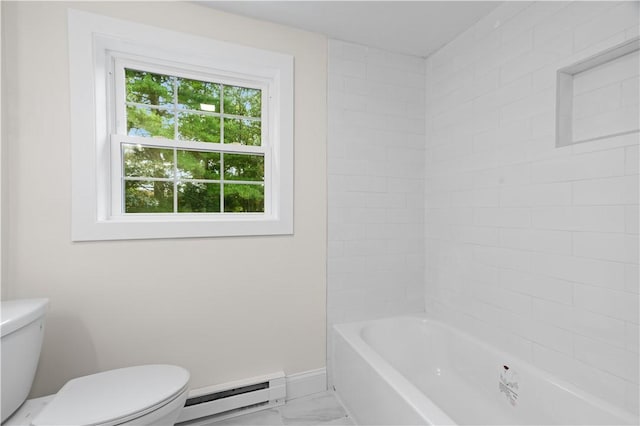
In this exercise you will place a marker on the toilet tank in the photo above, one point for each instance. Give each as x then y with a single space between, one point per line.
22 329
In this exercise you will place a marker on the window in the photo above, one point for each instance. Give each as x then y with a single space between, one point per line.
186 145
179 142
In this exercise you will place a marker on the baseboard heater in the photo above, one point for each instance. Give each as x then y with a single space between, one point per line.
232 399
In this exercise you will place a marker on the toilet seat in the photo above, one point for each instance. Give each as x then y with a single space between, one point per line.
114 397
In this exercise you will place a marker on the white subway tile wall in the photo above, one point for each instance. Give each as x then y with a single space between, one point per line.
376 184
532 247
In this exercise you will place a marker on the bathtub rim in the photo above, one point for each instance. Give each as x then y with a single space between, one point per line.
413 396
353 330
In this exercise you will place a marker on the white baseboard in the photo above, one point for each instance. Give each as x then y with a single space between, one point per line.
306 383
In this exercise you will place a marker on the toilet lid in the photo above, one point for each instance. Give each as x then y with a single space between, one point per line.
114 396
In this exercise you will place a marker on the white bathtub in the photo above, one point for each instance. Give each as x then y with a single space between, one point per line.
413 370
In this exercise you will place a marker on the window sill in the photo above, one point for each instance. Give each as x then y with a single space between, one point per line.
191 226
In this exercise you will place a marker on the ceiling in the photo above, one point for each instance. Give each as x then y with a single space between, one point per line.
412 27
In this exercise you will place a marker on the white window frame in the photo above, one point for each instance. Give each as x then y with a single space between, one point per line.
96 44
119 135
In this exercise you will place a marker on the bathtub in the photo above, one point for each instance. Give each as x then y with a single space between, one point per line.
417 371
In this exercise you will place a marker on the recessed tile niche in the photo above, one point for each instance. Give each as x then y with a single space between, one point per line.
597 98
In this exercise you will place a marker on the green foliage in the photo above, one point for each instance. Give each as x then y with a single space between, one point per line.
147 162
198 165
148 197
242 131
199 197
242 101
149 122
243 167
154 104
243 198
198 127
196 97
148 88
193 93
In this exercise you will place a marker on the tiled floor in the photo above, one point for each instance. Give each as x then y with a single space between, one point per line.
321 409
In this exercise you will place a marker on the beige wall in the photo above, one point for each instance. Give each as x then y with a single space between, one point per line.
225 308
3 181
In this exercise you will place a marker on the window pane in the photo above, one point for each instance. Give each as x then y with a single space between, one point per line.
199 127
161 119
246 198
243 167
147 162
148 88
243 132
198 95
149 122
242 101
198 165
148 197
199 197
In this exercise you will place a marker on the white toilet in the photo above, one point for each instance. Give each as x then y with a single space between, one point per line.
143 395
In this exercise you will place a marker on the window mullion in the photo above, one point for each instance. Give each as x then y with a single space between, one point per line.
175 181
146 178
241 117
221 113
175 108
221 182
192 111
175 151
221 154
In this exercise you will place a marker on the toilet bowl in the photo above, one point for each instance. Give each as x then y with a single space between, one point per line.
141 395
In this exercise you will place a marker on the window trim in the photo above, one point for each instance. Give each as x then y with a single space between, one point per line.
91 38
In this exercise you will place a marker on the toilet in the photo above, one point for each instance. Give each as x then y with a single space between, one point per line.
141 395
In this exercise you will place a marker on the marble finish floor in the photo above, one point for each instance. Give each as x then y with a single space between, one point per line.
321 409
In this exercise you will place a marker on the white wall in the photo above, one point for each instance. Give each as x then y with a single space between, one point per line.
605 98
225 308
529 246
376 183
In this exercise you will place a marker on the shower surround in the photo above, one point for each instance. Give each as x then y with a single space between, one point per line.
376 184
531 247
447 194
